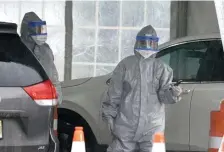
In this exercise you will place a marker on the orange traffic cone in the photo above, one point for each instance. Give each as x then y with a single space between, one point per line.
216 129
78 144
158 143
221 148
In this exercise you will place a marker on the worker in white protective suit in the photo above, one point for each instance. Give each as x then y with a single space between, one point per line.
34 36
133 105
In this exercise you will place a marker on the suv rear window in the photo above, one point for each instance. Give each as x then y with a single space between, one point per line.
18 66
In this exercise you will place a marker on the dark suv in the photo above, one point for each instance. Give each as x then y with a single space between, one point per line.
27 97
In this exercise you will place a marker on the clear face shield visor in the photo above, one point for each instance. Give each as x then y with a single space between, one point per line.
38 28
38 31
147 43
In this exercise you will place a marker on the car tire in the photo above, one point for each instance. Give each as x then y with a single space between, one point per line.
65 136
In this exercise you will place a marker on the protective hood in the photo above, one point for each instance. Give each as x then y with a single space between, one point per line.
26 30
146 33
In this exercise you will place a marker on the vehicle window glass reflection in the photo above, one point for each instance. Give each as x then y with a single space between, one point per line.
196 61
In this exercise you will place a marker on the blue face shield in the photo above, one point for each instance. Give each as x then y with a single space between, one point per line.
146 45
38 31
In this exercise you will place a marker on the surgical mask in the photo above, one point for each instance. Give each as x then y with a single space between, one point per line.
145 53
40 39
147 45
38 31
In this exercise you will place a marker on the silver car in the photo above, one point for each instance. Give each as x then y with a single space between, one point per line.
197 60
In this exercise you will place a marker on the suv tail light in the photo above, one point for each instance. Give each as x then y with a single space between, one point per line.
44 94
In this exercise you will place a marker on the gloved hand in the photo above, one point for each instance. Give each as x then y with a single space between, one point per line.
176 91
179 98
110 124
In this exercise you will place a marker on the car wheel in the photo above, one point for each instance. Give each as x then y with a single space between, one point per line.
65 136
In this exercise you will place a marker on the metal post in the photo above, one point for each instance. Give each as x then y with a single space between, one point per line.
178 19
68 41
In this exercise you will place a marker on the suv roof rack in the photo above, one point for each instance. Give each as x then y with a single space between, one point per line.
7 27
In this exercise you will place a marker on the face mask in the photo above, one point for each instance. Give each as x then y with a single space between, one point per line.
38 31
39 39
146 53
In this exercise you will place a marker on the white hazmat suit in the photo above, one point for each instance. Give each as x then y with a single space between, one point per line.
36 42
133 105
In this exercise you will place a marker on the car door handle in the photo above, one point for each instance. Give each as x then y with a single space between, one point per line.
186 91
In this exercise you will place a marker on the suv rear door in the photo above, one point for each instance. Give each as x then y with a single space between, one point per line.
26 98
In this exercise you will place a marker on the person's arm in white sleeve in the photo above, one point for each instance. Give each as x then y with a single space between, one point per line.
112 97
57 85
168 93
55 77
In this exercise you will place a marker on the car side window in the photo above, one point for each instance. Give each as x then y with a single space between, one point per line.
195 61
